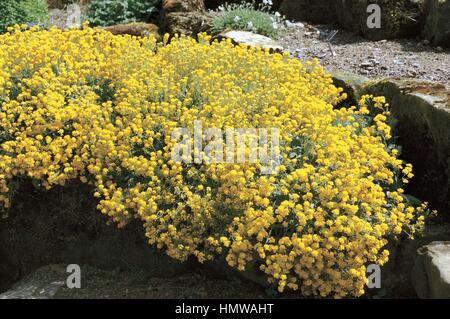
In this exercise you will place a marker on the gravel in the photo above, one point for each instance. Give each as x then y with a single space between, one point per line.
373 59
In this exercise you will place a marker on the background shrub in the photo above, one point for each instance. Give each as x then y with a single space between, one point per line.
22 11
104 13
249 16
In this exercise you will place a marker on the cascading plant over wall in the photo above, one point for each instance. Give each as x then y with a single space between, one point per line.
86 105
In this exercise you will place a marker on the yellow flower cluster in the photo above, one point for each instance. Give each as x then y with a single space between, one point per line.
86 105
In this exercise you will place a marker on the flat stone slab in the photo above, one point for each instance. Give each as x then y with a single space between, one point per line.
252 39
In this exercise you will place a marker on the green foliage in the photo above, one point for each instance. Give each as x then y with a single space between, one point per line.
104 13
22 11
249 16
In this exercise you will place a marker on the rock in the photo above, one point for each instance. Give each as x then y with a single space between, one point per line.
187 23
299 53
316 11
290 24
397 272
421 120
68 17
412 73
182 6
352 15
34 287
251 39
138 29
352 85
437 22
366 64
431 273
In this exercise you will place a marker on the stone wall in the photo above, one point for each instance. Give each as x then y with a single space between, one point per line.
70 230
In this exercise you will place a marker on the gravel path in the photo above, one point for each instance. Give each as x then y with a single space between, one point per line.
386 58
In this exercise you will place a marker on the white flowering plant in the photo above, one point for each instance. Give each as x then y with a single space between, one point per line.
249 16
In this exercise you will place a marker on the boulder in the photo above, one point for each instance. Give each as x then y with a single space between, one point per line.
398 18
187 23
431 273
437 22
67 17
138 29
421 121
251 39
316 11
182 6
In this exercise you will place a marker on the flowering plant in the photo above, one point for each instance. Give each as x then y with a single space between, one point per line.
86 105
249 16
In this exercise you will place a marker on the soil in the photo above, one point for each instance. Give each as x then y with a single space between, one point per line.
387 58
